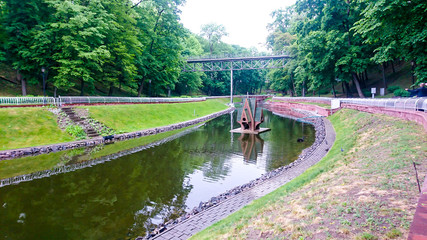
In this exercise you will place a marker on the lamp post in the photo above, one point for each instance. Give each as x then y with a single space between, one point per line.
44 80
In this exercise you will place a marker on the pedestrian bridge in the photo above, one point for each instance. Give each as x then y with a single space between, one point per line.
211 64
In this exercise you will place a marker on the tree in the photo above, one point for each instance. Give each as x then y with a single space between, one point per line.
161 35
122 43
19 20
80 29
213 32
397 29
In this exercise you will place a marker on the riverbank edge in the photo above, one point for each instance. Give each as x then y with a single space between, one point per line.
44 149
215 201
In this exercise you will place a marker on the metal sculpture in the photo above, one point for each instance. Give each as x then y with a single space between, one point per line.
250 118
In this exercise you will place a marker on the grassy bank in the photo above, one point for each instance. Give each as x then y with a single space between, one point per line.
26 127
27 165
130 118
22 127
365 188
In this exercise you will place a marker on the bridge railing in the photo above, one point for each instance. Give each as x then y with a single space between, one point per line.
27 101
412 104
220 56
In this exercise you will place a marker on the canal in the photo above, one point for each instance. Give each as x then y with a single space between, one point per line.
122 197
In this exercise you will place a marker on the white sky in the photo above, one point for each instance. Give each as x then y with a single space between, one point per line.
244 20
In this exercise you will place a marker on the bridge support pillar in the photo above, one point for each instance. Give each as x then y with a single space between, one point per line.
231 87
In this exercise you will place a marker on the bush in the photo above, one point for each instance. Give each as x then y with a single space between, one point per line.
367 92
76 131
401 93
391 89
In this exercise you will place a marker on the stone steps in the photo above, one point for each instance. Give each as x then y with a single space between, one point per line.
90 132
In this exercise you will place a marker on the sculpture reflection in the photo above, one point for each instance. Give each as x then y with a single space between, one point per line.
252 145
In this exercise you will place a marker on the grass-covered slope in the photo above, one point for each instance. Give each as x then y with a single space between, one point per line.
367 190
129 118
25 127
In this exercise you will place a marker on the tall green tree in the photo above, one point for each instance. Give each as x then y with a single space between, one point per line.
122 43
398 29
213 33
161 36
80 29
19 20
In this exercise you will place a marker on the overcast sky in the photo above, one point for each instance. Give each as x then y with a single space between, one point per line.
244 20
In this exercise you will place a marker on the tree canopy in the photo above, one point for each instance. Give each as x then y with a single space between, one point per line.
338 40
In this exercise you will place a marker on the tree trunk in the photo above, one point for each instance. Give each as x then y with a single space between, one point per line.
343 89
384 79
54 92
333 90
347 89
392 66
356 82
303 88
366 75
82 88
23 82
412 71
141 86
293 84
110 92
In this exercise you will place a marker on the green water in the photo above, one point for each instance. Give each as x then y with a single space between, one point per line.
123 197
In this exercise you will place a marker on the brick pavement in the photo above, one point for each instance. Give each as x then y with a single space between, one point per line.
200 221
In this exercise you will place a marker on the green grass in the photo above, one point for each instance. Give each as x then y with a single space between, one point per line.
130 118
26 127
344 124
27 165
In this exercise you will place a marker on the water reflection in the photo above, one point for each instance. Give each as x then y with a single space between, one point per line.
252 145
123 197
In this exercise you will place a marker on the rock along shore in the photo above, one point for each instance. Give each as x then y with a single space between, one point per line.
32 151
319 138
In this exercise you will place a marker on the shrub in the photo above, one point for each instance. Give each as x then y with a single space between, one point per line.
366 92
76 131
391 89
401 93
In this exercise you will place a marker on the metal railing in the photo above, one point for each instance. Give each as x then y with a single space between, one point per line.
20 101
27 101
94 100
413 104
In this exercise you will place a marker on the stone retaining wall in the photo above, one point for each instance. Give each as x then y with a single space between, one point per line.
15 153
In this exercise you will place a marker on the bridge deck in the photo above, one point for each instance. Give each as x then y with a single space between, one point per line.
234 59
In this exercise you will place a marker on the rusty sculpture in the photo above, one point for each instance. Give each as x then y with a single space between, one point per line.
250 117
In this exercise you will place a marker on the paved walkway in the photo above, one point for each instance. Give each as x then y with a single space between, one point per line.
206 218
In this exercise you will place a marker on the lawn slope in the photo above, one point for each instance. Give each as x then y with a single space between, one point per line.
26 127
130 118
365 188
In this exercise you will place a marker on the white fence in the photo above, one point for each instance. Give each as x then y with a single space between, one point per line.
413 104
27 101
92 100
19 101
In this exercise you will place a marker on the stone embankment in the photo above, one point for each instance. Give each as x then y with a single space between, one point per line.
15 153
306 153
